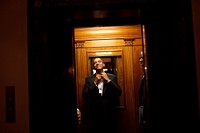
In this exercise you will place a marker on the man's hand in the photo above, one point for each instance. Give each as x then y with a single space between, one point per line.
105 76
97 79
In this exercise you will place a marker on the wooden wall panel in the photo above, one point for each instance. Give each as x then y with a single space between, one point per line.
108 32
129 86
81 58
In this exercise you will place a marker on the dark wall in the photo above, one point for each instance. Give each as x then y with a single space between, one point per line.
51 72
172 73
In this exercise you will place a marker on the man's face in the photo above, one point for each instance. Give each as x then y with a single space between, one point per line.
141 59
98 64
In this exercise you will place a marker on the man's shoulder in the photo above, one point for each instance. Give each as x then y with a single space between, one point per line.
110 75
90 76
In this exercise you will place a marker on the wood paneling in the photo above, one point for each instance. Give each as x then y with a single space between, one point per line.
108 32
81 58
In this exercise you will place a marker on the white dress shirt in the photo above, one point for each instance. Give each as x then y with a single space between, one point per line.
100 87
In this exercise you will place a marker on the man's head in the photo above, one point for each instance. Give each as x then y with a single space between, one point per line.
98 64
141 59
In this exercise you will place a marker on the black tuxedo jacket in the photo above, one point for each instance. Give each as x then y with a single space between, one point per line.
110 97
111 91
101 108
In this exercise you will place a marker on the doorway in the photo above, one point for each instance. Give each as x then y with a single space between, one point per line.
120 48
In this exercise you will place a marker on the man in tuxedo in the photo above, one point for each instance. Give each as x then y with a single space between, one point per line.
143 102
101 92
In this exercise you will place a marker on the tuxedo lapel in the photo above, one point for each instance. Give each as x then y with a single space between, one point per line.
93 77
104 86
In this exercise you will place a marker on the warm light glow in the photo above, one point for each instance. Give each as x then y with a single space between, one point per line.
100 53
102 31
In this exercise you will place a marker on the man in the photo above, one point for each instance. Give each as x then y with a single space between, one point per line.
101 91
78 116
143 98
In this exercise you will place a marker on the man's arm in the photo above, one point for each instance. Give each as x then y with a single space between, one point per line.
113 83
90 89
